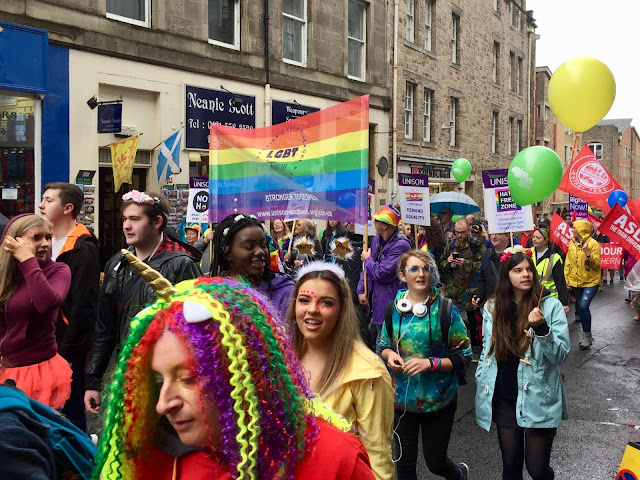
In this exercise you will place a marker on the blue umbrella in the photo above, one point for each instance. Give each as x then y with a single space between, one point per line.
460 203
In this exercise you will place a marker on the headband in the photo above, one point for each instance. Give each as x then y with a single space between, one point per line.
140 197
544 232
506 255
320 266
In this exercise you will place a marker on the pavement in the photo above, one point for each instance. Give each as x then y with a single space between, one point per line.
602 386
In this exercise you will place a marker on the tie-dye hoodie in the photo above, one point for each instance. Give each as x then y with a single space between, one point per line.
422 338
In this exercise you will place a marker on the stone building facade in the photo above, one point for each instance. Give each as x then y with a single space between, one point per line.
155 55
465 87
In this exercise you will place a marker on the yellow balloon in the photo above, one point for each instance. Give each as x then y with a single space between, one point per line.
581 92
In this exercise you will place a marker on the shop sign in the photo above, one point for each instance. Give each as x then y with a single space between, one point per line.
205 107
283 112
434 172
23 58
110 118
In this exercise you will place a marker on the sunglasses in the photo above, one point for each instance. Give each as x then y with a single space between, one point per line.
415 270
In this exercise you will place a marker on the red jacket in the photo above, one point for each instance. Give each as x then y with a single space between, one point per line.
335 456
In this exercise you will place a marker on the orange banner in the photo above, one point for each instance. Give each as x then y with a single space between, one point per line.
123 154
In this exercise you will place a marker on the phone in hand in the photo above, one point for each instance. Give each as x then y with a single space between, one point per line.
456 255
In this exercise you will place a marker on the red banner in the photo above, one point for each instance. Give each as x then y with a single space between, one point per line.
611 256
560 233
588 180
623 228
595 221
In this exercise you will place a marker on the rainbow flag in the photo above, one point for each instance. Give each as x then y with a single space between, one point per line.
314 166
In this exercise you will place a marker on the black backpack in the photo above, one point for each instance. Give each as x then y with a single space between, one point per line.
444 314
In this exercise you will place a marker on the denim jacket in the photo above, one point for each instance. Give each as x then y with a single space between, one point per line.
541 400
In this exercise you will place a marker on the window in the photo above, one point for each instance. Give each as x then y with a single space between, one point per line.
455 26
224 23
495 5
512 61
410 21
518 135
357 39
426 116
136 12
546 112
496 62
408 111
453 117
428 29
494 132
510 139
516 15
294 31
538 108
567 154
520 71
596 148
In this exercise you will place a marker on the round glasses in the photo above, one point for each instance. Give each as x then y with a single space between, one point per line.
415 270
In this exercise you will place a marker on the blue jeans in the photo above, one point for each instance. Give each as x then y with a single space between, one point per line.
584 295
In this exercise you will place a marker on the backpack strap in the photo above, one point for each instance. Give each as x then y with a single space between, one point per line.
388 319
444 312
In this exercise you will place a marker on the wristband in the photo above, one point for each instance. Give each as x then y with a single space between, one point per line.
430 362
436 362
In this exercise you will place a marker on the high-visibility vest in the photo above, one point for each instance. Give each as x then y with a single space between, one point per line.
546 279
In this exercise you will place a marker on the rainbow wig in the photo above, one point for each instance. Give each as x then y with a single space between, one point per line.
244 364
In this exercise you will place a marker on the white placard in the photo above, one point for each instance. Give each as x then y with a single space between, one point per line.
501 212
414 198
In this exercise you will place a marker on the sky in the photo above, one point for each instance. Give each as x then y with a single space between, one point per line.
607 30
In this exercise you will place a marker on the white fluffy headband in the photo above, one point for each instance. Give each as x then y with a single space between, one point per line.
320 266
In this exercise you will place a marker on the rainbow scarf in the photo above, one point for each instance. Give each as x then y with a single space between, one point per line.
315 166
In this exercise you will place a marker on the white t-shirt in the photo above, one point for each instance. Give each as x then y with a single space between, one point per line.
56 246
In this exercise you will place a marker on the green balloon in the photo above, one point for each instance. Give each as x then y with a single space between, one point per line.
534 174
461 169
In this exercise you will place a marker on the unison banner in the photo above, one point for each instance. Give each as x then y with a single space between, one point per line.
611 256
619 225
560 233
198 208
315 166
414 198
501 211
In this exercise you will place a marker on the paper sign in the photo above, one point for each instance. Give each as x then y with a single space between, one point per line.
580 207
198 207
501 212
414 198
9 194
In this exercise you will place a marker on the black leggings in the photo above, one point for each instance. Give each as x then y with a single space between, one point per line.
436 431
532 445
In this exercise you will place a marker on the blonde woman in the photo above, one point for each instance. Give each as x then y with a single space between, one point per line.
348 376
32 289
306 246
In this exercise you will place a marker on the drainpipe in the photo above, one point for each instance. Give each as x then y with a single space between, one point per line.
530 31
267 80
394 138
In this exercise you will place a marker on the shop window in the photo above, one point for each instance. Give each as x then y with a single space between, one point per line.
136 12
17 162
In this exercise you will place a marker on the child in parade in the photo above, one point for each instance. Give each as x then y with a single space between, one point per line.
306 246
241 251
550 267
32 289
192 233
208 387
519 387
347 376
425 361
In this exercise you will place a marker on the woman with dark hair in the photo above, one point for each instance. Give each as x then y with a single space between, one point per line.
431 239
346 375
519 386
241 251
333 231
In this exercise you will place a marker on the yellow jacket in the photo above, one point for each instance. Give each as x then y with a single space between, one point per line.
575 266
364 396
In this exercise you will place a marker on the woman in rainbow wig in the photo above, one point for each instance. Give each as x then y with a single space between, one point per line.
207 386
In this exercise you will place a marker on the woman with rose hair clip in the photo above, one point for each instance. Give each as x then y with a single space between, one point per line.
212 362
348 376
519 387
241 251
32 289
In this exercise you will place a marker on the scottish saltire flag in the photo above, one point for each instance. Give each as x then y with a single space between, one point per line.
169 156
314 166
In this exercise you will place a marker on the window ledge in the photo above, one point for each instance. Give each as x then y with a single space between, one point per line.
412 141
293 62
454 148
495 155
431 144
357 79
131 21
222 44
430 53
456 66
412 45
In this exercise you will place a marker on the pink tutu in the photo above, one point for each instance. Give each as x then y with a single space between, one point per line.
48 382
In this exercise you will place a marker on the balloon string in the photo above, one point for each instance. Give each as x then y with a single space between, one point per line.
546 272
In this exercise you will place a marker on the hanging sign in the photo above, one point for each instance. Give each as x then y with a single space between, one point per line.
110 118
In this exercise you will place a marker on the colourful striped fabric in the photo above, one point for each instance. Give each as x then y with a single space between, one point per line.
310 167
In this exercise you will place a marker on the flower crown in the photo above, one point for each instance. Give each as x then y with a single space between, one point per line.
506 255
140 197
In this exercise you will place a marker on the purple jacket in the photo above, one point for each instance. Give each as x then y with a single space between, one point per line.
279 292
382 281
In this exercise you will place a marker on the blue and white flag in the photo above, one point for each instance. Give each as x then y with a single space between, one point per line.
169 156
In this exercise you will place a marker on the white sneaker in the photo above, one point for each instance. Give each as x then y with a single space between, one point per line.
586 341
